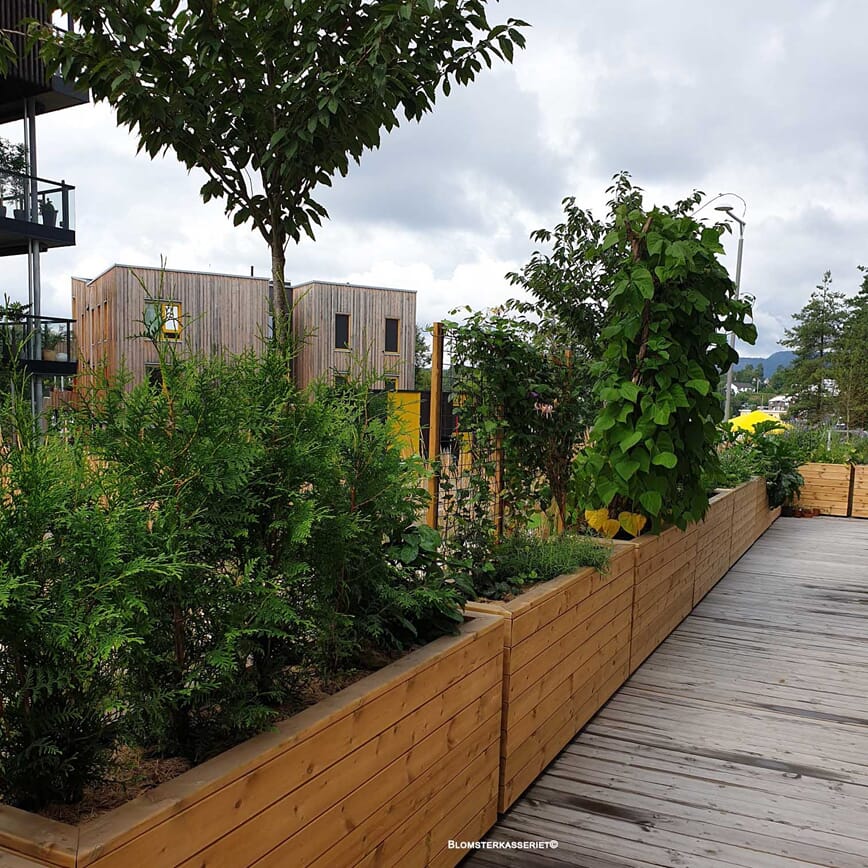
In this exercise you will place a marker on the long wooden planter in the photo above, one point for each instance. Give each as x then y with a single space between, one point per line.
567 651
384 772
749 517
663 595
826 488
713 544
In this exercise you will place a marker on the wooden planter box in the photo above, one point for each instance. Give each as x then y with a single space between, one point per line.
826 488
713 544
749 518
567 649
663 597
860 491
386 771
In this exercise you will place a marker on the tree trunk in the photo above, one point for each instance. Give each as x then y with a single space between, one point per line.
281 302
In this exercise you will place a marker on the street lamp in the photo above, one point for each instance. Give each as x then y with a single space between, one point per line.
727 407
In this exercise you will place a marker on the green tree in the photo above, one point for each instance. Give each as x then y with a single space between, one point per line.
813 338
526 383
569 281
750 374
781 380
850 359
271 99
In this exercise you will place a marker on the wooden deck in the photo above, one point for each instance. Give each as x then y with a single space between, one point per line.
743 740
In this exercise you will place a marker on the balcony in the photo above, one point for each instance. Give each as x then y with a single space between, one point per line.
27 77
43 345
34 208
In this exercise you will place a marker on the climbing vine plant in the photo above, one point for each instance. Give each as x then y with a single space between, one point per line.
670 304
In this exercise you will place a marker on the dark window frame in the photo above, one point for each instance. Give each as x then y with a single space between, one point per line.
342 319
397 344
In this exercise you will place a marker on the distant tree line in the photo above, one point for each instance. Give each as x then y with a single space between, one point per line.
828 379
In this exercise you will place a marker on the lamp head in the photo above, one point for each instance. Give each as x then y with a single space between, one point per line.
727 208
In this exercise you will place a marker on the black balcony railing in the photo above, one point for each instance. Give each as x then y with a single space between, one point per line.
27 76
36 200
40 344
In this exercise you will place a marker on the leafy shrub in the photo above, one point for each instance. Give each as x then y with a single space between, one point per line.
70 567
168 572
525 384
829 447
379 580
766 451
524 559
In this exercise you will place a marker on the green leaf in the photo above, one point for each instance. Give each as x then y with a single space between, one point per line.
625 467
652 502
630 391
700 386
606 490
643 281
662 412
611 239
665 459
630 440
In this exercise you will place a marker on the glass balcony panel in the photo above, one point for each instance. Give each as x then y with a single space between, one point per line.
55 201
37 339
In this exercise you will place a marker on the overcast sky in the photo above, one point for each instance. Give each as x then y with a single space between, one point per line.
762 99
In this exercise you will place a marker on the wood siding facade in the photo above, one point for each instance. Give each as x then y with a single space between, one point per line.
224 313
220 313
315 307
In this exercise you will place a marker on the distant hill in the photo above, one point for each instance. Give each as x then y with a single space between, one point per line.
771 364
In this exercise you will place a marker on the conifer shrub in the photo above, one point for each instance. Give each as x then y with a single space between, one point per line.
71 569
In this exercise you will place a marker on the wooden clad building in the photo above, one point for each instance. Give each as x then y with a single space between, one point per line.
345 330
349 329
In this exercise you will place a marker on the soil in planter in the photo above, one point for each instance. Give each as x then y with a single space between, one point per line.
131 771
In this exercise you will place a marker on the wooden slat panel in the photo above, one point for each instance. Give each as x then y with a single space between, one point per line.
665 569
827 488
569 718
860 491
48 842
561 634
182 816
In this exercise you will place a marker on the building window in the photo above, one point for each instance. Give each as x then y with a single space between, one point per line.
342 331
392 335
391 384
163 319
340 380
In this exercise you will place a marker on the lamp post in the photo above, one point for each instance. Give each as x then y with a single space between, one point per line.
727 407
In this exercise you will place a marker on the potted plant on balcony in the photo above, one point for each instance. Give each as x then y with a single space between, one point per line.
50 341
48 210
13 329
13 169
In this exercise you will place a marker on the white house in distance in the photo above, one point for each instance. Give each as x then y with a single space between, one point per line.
778 405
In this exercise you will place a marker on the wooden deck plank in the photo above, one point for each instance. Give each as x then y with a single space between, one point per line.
741 741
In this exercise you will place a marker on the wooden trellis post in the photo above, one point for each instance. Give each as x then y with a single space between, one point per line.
434 424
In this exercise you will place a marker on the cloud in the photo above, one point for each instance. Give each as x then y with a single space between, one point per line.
762 100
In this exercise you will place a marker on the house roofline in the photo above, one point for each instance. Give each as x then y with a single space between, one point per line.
340 283
307 283
172 271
